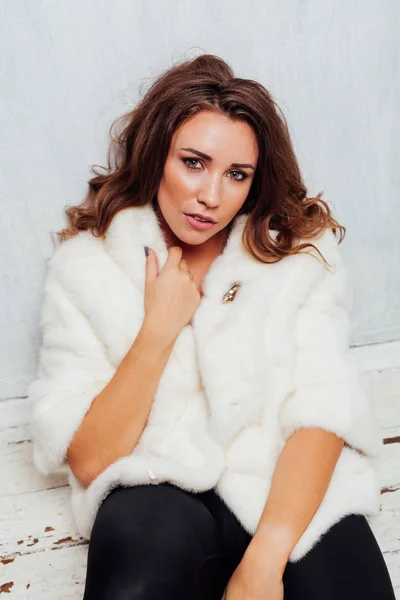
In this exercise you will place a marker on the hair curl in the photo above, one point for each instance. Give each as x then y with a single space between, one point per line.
140 141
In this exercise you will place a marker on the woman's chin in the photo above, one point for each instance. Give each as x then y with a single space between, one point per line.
192 238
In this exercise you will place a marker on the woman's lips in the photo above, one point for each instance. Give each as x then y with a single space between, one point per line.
200 225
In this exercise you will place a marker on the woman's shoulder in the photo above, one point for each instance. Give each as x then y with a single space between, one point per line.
75 258
305 272
325 241
78 245
308 257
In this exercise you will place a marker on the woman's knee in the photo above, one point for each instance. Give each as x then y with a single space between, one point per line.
146 514
150 538
345 563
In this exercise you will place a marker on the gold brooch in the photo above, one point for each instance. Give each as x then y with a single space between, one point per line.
229 296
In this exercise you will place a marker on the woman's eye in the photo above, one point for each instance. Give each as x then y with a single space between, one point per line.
191 160
242 175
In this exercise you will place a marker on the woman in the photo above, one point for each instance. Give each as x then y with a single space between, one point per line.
195 380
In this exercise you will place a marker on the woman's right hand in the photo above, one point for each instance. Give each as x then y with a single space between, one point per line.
171 296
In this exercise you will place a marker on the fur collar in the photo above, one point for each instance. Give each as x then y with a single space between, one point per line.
105 278
134 227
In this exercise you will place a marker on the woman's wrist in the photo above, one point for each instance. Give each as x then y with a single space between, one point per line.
266 555
156 335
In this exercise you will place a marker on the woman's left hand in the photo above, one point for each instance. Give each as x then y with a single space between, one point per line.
248 583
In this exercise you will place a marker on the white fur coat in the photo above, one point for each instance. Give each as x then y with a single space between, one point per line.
242 376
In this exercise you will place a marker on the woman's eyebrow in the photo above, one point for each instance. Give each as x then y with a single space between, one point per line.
206 157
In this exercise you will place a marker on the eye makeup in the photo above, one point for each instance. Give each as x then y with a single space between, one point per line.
187 160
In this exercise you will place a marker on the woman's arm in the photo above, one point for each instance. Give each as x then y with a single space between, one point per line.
117 416
301 478
86 414
325 409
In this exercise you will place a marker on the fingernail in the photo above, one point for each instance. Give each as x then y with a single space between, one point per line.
146 250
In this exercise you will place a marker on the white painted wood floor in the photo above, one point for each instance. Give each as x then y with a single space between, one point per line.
43 557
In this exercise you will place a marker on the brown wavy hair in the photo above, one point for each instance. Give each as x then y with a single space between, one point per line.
140 141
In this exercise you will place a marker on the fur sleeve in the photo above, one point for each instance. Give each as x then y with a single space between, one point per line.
72 370
327 389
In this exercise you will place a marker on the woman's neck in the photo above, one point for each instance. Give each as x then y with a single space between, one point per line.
201 255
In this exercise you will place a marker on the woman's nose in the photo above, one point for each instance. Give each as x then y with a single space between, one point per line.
210 191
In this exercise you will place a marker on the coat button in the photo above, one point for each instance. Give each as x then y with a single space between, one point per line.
151 474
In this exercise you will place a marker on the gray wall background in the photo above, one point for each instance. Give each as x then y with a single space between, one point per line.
67 69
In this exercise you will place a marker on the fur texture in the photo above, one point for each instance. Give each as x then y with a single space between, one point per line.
242 377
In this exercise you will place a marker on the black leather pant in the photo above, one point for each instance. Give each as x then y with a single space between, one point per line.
162 542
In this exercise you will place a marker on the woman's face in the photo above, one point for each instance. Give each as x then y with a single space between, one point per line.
209 170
